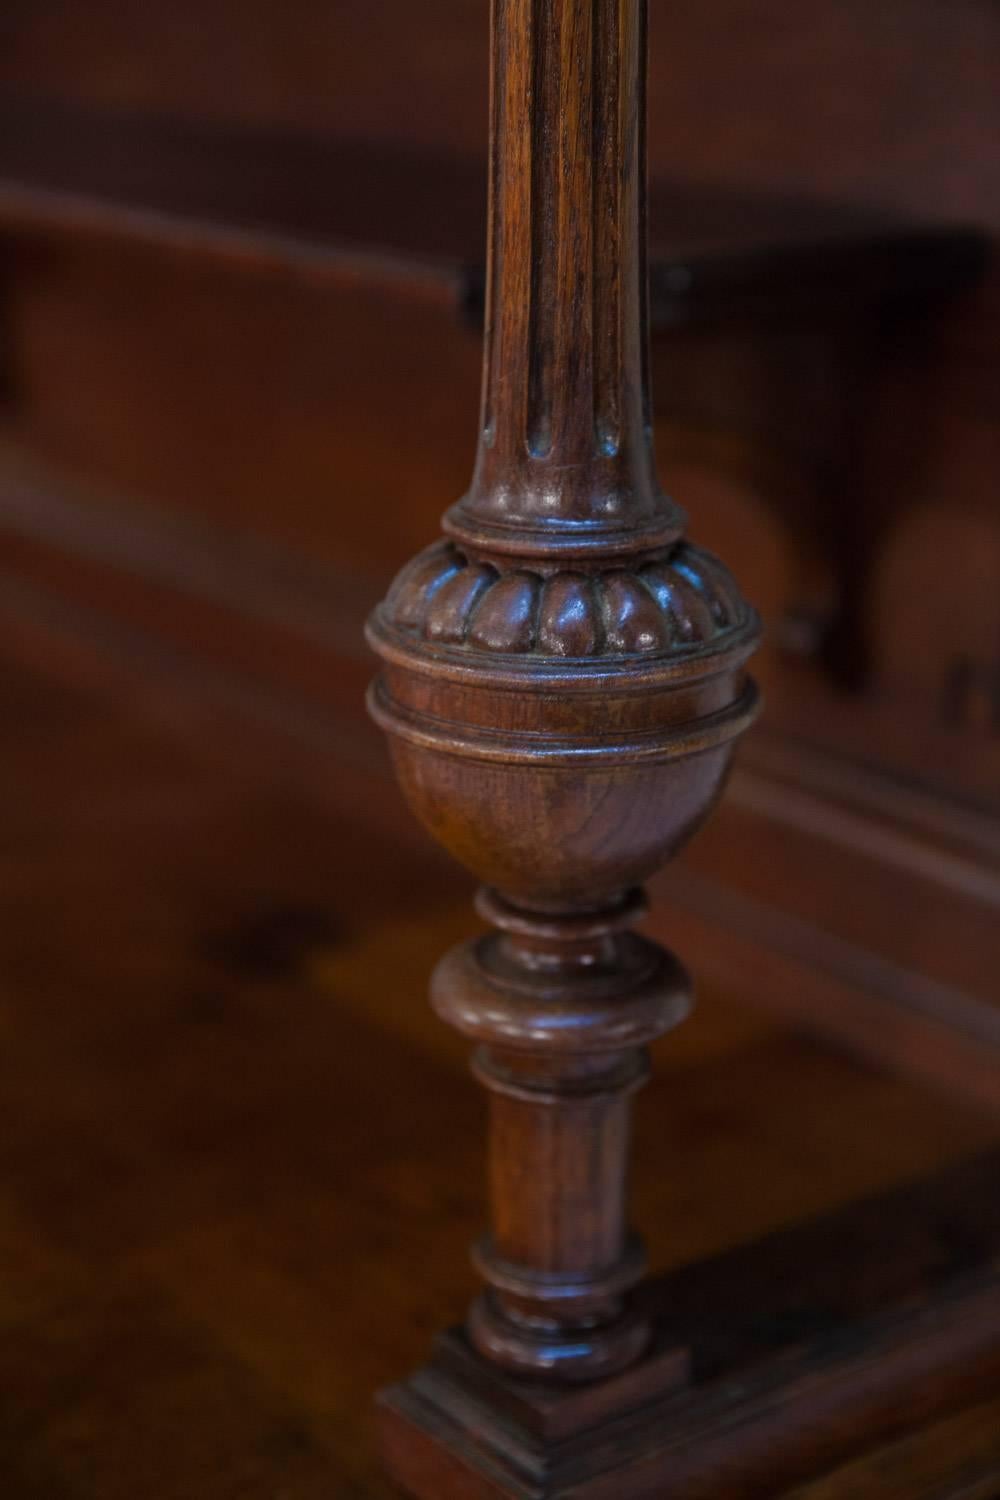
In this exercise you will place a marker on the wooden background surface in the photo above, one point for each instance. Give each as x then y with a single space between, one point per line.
229 1120
241 1160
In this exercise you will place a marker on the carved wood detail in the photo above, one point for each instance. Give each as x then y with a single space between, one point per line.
563 681
565 461
676 602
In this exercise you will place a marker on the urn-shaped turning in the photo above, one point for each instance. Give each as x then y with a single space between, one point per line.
562 682
563 732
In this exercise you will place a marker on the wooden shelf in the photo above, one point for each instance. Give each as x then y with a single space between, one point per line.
323 206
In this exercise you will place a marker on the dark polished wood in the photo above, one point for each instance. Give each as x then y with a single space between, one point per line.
241 273
263 623
563 680
807 1345
243 195
202 1201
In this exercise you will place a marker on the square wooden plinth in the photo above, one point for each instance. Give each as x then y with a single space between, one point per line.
804 1348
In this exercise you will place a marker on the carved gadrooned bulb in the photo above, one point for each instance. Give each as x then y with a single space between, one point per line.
683 599
624 687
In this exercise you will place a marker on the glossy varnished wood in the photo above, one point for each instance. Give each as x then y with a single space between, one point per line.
267 626
201 1203
168 371
245 197
807 1346
563 680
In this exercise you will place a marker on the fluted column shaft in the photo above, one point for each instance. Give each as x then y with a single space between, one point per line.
565 453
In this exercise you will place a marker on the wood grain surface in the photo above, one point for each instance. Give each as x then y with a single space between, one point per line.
232 1127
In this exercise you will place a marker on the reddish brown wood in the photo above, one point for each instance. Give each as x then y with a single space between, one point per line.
808 1346
201 998
563 679
739 1438
147 359
565 464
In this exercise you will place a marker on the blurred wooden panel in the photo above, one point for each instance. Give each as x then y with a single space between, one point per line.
894 104
229 1117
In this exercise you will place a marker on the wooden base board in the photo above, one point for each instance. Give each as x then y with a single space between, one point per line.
806 1348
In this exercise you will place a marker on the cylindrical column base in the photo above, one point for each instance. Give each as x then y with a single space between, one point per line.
576 1327
564 1006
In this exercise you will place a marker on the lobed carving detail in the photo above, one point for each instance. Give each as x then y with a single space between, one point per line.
680 601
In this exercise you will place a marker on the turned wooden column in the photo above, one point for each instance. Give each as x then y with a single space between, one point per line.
563 680
565 463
